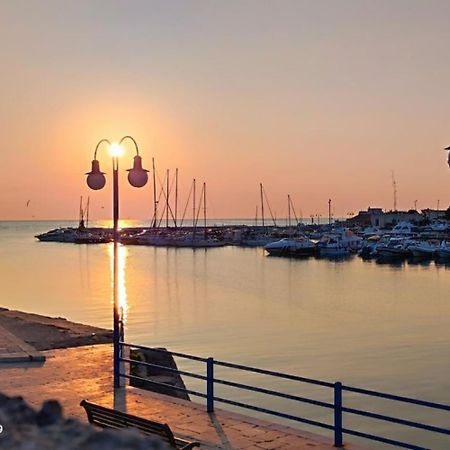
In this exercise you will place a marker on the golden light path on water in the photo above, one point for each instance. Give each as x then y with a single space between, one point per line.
122 255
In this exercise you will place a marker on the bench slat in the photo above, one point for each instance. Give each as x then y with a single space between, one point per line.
150 427
110 418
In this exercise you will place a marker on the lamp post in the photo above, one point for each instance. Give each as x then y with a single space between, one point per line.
137 177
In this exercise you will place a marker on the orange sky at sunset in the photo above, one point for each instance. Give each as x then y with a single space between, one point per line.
316 99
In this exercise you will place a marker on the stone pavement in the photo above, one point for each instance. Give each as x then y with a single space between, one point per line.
70 375
14 350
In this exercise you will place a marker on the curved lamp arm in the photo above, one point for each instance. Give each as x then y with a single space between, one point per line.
134 142
98 145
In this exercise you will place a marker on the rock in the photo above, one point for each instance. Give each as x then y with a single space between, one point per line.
18 411
160 357
27 429
50 413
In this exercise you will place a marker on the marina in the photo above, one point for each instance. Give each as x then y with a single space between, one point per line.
370 324
402 241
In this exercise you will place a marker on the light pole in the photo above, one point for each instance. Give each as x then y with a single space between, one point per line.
137 177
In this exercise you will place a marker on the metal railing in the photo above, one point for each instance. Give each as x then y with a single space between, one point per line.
337 388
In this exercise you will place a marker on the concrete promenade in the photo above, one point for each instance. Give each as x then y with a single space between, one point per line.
14 350
70 375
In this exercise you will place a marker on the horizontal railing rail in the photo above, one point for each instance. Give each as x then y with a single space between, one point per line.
397 398
337 389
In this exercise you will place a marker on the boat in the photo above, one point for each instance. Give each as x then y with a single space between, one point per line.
339 242
443 251
93 238
371 231
192 241
424 249
394 247
59 235
298 246
332 246
368 249
404 229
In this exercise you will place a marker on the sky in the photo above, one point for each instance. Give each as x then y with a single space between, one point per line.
316 99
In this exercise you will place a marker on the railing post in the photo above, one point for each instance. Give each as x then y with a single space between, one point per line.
338 414
210 385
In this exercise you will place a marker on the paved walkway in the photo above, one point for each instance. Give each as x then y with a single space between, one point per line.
70 375
14 350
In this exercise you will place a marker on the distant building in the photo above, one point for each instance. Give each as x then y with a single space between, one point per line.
375 217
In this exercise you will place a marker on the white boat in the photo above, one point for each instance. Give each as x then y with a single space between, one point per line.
439 226
196 240
443 251
371 231
424 249
59 235
403 229
332 246
340 242
299 246
395 247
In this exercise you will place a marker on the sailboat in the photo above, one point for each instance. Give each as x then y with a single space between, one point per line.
195 239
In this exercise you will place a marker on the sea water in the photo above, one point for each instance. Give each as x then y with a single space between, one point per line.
382 327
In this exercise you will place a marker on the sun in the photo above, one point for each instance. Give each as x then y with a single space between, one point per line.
115 149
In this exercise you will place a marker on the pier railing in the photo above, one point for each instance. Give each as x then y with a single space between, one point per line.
337 408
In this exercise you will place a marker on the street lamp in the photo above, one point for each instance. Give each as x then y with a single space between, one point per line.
137 177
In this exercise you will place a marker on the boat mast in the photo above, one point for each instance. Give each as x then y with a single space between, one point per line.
194 222
155 203
204 207
262 202
167 200
293 210
193 202
87 212
176 196
289 210
80 211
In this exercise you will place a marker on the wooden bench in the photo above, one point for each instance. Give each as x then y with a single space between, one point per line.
110 418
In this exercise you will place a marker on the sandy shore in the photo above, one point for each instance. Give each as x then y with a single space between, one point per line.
47 333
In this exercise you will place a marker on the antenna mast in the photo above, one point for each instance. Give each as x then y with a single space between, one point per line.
394 187
329 211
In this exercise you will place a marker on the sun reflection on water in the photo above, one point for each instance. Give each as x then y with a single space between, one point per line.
122 255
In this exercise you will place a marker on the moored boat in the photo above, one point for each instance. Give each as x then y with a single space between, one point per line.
443 251
299 246
424 249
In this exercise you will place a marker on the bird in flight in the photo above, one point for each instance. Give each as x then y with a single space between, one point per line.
28 203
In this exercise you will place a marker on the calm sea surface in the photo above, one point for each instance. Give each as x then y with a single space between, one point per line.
382 327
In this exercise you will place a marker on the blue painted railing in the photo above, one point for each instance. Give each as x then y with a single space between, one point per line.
337 405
